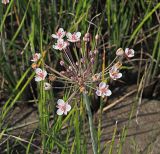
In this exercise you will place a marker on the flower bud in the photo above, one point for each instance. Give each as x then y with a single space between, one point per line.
118 65
70 68
77 63
34 65
82 89
47 86
86 37
95 51
95 77
120 52
62 72
97 37
61 63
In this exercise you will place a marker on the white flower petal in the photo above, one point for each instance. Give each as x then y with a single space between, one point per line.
37 79
54 36
60 41
61 102
61 30
119 75
38 70
59 112
78 35
68 107
65 45
39 55
102 85
126 50
69 35
45 73
70 40
131 53
114 77
111 76
65 112
55 47
98 93
108 92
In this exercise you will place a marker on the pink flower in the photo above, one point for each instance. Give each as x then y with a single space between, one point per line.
60 45
103 90
40 74
63 107
114 73
36 57
129 52
5 1
60 34
75 37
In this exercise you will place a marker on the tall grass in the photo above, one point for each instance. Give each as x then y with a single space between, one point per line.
26 27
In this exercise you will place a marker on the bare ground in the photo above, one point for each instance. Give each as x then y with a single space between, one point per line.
143 130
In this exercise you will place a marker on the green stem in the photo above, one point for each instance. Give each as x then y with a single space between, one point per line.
91 127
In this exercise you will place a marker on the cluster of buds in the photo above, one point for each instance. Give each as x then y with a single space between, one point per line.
78 67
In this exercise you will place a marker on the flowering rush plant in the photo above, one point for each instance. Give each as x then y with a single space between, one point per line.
81 70
79 67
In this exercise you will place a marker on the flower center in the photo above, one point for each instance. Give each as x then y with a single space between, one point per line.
114 73
129 52
74 37
103 90
62 107
60 45
35 57
59 34
41 75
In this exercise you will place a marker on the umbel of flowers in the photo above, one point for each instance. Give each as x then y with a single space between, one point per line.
79 60
78 71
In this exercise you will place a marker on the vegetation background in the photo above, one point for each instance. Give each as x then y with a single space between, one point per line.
28 123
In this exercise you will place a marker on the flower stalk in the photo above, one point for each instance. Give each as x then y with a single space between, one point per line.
91 126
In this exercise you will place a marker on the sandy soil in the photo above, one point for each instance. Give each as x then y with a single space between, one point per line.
143 135
143 130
